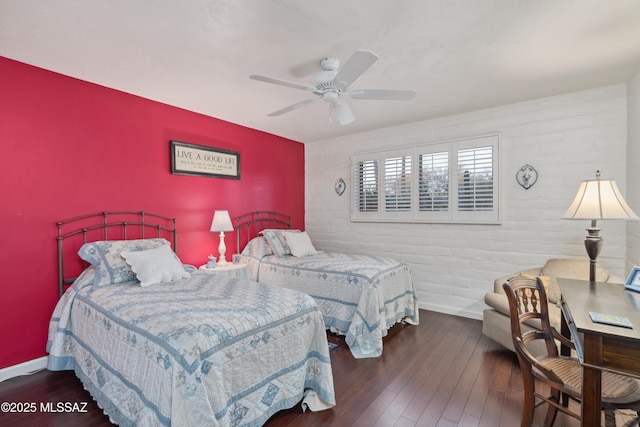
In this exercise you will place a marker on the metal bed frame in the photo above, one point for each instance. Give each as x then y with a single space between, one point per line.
99 224
253 222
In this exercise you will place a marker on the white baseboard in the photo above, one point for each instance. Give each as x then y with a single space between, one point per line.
25 368
449 310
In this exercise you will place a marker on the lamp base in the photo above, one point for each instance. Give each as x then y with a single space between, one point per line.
222 249
593 245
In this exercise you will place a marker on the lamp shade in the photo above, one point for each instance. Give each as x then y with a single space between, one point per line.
599 199
221 221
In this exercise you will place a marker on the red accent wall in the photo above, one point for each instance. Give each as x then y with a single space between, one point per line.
69 147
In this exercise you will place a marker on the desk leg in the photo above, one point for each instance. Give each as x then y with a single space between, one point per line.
592 381
565 350
565 332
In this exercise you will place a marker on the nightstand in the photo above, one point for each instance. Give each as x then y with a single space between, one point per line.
237 271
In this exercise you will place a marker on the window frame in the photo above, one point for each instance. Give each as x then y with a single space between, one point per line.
453 214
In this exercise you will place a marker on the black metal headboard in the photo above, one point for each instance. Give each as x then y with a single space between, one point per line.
127 225
250 224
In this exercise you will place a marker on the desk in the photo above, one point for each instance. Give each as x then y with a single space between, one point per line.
601 347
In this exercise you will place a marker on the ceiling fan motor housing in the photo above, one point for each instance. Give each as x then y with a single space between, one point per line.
323 80
330 64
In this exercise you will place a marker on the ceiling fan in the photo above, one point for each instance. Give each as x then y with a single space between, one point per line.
330 83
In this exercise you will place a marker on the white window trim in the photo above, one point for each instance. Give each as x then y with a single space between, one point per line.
452 215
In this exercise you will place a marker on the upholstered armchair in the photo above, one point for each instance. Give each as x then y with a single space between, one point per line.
496 321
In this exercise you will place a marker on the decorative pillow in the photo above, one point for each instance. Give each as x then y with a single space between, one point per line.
277 241
105 256
257 248
300 244
156 265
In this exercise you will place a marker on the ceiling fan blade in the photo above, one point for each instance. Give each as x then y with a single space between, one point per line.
383 94
357 64
293 107
342 112
281 82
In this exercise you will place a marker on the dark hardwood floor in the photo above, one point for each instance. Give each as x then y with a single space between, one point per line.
441 373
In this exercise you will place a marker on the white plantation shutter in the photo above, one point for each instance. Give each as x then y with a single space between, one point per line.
365 187
434 182
452 181
475 179
476 169
397 184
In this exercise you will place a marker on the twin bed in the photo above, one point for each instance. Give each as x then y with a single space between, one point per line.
360 296
181 351
157 342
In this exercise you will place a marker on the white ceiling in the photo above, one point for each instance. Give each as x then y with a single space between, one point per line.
459 55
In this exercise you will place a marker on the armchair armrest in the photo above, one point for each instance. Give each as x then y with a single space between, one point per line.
563 340
615 279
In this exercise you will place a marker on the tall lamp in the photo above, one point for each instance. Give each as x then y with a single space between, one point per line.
597 199
221 222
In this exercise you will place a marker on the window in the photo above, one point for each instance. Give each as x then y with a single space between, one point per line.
434 182
453 181
366 179
475 179
397 184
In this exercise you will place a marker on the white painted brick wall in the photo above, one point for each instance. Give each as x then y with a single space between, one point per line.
566 138
633 171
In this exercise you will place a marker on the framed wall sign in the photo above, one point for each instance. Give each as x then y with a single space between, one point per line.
199 160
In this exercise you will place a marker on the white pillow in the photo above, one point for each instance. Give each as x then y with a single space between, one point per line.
300 244
277 240
156 265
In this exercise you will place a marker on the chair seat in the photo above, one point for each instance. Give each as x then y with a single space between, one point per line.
616 389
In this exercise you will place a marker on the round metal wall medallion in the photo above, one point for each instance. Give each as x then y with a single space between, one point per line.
526 176
340 186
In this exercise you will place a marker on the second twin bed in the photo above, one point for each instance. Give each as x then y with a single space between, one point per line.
360 296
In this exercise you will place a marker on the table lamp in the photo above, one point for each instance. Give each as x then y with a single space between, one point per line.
597 199
221 222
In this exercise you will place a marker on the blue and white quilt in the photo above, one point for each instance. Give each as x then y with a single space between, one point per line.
204 351
360 296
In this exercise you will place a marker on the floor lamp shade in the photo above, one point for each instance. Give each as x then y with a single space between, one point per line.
598 199
221 223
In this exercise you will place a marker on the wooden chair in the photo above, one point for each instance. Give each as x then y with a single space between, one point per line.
528 303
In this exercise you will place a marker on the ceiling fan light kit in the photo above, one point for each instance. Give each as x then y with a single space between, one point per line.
329 84
342 112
